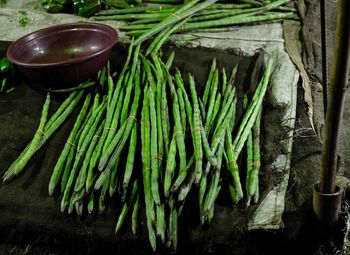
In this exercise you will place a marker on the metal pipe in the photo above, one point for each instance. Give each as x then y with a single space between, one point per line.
337 86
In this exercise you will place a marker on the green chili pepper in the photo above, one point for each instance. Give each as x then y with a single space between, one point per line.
5 65
86 7
54 6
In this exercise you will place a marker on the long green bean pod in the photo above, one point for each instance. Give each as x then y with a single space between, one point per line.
56 123
112 164
148 70
73 89
186 187
161 225
223 80
249 147
135 214
21 162
216 110
220 132
209 154
219 6
87 128
209 82
113 113
213 194
72 152
66 103
85 139
183 172
224 110
118 141
170 167
39 134
135 9
154 148
160 80
130 161
71 203
213 91
173 222
218 22
165 119
163 36
202 109
182 175
131 120
111 134
188 106
107 165
252 178
214 188
170 60
146 167
101 200
70 142
113 179
224 14
196 132
182 110
233 194
96 102
171 19
91 202
108 130
80 182
208 206
129 87
252 110
79 207
246 18
126 207
232 165
178 130
134 16
230 84
68 166
201 197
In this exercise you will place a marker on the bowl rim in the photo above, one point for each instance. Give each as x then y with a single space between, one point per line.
111 31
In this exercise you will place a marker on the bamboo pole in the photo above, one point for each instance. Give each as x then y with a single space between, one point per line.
337 88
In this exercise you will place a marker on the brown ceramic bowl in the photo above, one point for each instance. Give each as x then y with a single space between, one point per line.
63 55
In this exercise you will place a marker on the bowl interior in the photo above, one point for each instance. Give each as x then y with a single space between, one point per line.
62 44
